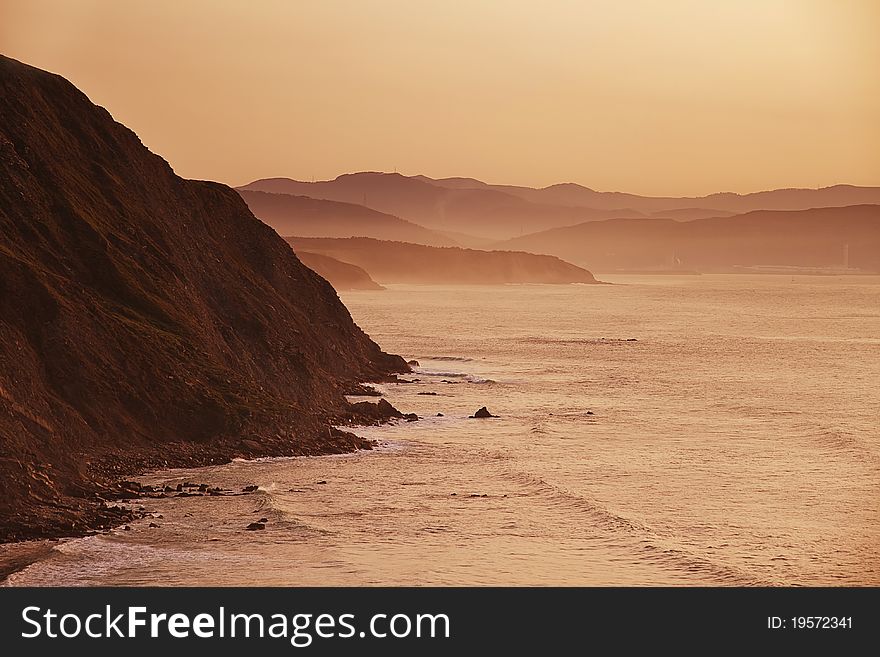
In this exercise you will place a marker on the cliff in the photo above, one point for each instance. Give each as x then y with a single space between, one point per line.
145 320
398 262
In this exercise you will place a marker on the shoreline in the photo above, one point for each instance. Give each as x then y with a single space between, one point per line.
110 482
15 557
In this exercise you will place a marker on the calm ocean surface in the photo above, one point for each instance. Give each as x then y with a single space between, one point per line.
664 430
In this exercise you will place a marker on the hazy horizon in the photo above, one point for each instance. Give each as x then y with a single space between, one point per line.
668 99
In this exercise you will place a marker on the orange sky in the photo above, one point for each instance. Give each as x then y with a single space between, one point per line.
648 96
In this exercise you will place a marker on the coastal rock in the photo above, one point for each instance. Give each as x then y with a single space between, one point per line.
250 489
254 526
483 413
413 363
378 413
362 390
250 445
432 394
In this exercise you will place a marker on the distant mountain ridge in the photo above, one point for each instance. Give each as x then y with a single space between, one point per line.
823 238
487 213
301 215
468 206
775 199
400 262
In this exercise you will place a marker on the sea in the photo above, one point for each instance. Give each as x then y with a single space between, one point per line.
658 430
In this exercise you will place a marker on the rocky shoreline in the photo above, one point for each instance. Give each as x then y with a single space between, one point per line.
113 472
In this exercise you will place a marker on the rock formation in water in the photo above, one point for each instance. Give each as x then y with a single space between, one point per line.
145 320
399 262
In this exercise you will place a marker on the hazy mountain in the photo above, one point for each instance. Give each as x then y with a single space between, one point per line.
341 275
309 217
578 195
145 320
815 238
398 262
689 214
471 208
479 212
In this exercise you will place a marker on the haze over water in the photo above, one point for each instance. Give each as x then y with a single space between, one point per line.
734 439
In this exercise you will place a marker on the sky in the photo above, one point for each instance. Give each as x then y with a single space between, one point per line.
666 97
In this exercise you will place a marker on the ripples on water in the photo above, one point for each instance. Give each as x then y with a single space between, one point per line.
693 430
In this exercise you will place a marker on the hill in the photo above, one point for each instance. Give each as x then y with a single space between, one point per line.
483 212
145 320
832 238
398 262
341 275
711 205
309 217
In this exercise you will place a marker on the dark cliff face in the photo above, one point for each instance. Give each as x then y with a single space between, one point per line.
141 313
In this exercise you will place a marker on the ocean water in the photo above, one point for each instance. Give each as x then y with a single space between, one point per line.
692 430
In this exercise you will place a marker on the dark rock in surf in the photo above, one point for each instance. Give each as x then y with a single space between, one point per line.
254 526
361 390
432 394
378 413
482 413
250 489
413 363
